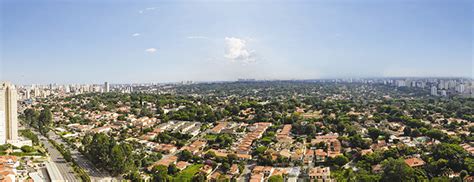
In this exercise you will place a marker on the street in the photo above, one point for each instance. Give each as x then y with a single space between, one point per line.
64 168
94 173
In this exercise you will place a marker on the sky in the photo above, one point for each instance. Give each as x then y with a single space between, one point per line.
125 41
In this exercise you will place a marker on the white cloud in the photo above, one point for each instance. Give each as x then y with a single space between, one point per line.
147 9
136 34
197 37
237 51
151 50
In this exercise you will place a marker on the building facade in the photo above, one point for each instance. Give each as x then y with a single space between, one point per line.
8 113
106 87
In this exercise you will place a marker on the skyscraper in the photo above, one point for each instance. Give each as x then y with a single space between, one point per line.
434 90
8 113
106 87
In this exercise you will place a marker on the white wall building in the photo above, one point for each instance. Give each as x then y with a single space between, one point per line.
8 113
434 90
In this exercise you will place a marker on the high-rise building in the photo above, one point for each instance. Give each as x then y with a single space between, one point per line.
400 83
106 87
8 113
28 93
434 90
460 88
444 93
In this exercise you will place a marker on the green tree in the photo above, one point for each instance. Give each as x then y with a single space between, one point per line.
199 177
407 131
44 120
454 154
160 174
435 134
185 155
120 161
225 167
27 149
374 133
275 178
31 117
339 160
172 169
397 170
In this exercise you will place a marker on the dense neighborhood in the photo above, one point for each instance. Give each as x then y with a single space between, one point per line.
262 131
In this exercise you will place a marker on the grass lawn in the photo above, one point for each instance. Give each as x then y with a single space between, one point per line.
188 173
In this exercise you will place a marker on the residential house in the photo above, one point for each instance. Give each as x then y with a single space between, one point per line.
322 174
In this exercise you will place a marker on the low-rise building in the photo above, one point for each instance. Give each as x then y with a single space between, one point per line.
322 174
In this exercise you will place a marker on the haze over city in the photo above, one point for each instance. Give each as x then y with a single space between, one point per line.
167 41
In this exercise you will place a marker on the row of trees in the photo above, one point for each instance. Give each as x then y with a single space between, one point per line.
39 120
106 153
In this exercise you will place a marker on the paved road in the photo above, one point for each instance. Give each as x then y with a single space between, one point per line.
94 173
244 177
64 168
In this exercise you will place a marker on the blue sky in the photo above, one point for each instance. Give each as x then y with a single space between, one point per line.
163 41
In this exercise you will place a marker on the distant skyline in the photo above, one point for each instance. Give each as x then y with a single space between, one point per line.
125 41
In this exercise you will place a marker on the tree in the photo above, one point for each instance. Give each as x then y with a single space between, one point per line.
396 170
277 178
117 162
463 174
27 149
358 141
185 155
407 131
144 111
224 140
99 149
210 155
260 150
415 133
30 135
106 153
339 160
374 133
134 176
172 169
225 167
199 177
232 158
44 120
435 134
122 118
31 117
363 175
160 174
454 155
67 155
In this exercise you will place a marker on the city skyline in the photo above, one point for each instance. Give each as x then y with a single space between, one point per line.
156 42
